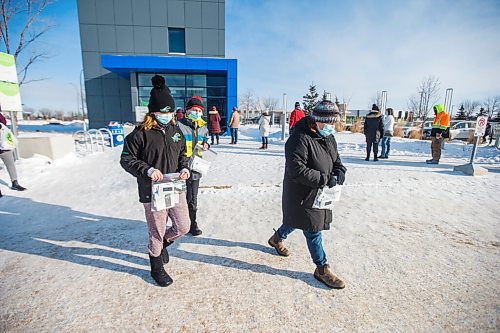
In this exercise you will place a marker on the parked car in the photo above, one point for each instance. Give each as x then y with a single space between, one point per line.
461 129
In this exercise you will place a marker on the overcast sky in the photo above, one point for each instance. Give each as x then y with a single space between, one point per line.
349 48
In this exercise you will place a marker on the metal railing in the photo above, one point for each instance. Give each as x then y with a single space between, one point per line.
93 140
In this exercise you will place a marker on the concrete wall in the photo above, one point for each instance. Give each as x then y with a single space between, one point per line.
139 27
54 147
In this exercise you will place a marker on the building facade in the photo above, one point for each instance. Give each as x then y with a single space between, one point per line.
125 42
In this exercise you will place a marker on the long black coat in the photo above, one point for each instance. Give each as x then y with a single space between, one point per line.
164 150
374 127
310 160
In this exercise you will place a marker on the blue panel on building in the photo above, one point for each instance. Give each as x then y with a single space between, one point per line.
123 65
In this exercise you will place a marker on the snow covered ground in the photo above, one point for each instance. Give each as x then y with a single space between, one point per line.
417 245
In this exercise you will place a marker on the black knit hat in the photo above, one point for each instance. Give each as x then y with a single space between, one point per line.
297 105
326 112
160 99
195 101
375 107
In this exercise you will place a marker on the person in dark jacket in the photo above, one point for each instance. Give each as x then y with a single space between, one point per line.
195 131
179 114
373 129
154 148
214 124
7 156
312 162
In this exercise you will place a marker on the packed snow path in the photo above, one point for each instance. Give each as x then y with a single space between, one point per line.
417 245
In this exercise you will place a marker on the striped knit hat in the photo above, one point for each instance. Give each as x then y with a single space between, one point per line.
326 112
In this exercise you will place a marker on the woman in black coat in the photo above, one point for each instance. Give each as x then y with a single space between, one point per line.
373 129
312 162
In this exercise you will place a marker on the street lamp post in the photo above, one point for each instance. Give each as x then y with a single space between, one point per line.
283 118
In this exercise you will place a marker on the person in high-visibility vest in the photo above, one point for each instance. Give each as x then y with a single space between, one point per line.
440 130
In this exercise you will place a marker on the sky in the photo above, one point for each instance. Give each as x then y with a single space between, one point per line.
352 49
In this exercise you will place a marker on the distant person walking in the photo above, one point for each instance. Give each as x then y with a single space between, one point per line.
214 124
373 129
264 127
488 132
311 162
154 148
388 133
440 130
7 156
295 116
234 124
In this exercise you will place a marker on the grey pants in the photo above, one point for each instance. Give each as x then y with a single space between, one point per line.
8 159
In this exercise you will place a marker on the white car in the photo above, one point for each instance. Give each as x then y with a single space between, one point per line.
461 129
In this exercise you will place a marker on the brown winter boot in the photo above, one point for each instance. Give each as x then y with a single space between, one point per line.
262 147
276 242
325 275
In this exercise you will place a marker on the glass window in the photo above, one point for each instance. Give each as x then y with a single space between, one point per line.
145 80
216 80
196 92
216 91
179 103
143 101
176 40
178 92
145 91
178 80
196 80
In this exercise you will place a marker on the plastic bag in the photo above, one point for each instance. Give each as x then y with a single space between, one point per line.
326 198
166 193
201 159
7 139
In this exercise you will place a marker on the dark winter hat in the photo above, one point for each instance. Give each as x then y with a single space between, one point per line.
375 107
326 112
195 101
160 100
158 81
235 108
297 105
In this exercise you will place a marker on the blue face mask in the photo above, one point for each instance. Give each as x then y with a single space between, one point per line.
327 130
165 118
194 116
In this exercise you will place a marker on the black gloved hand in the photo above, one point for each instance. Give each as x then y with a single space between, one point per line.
340 174
332 181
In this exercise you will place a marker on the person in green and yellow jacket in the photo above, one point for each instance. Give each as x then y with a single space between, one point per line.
440 130
195 132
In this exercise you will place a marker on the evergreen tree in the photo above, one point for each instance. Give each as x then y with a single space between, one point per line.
461 114
310 99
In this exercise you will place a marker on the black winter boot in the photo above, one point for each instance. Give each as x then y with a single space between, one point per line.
1 195
194 230
158 272
16 186
164 253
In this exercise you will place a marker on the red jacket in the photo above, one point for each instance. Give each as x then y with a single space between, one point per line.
214 122
295 116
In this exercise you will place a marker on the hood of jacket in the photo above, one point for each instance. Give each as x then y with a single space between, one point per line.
439 108
374 114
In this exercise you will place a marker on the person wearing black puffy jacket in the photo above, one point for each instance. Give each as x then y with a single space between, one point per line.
312 162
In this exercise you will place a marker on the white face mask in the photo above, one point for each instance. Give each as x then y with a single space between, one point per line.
194 115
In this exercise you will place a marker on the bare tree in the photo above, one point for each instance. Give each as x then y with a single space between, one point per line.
492 106
28 12
270 103
428 95
46 113
376 99
246 102
470 107
413 104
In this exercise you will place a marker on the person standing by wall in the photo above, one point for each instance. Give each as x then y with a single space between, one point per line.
234 124
214 124
295 116
264 127
154 148
440 130
7 156
311 162
373 129
388 133
195 131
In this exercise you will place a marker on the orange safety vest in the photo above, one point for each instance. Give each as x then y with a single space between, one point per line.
442 120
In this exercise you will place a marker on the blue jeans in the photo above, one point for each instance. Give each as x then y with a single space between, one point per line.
314 243
386 146
234 135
